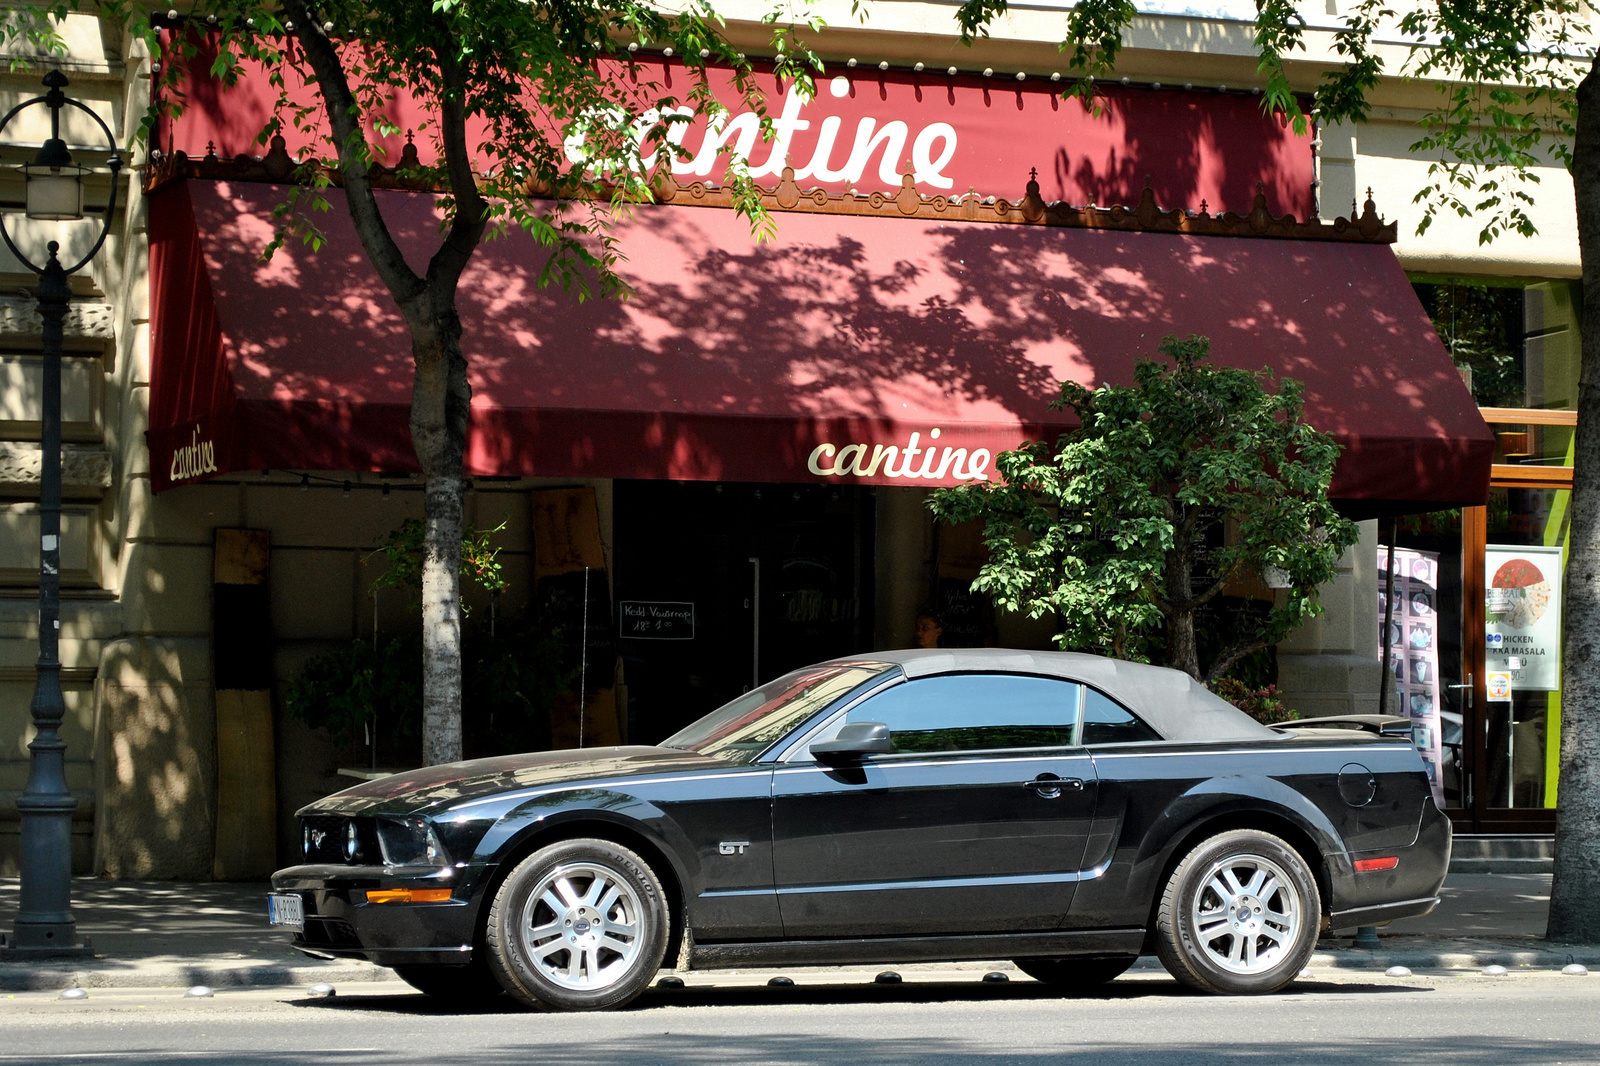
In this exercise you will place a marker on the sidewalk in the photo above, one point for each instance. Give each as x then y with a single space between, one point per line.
1482 918
165 934
149 934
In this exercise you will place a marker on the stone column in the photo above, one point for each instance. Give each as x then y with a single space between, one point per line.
1331 664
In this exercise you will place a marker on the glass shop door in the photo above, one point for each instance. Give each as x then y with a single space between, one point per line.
1474 650
1517 549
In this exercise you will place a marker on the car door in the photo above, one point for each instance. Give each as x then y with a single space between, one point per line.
1139 777
975 822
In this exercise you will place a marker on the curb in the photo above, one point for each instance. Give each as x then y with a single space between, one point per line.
1423 959
184 974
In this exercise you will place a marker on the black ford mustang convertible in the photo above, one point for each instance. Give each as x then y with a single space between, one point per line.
1066 811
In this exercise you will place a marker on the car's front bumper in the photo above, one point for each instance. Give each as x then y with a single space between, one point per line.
340 923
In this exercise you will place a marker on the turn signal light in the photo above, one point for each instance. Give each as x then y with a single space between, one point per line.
1362 865
408 895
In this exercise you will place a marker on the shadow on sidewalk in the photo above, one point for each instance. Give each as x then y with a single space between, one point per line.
808 1049
841 995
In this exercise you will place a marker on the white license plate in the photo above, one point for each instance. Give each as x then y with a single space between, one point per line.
286 911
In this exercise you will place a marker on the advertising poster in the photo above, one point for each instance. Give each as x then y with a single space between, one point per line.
1523 613
1414 651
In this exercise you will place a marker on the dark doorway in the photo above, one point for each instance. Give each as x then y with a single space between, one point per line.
721 587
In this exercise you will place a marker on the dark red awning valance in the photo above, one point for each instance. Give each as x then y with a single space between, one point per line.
840 352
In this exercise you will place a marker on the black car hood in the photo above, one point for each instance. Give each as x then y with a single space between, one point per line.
436 787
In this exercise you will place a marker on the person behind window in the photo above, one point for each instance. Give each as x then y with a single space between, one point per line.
929 629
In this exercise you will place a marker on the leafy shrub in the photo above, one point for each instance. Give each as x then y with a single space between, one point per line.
374 686
1196 479
508 680
1262 704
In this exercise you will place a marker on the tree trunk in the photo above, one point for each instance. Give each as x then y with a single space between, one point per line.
1575 893
441 398
1181 651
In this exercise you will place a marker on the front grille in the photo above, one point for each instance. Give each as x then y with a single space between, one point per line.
329 933
332 838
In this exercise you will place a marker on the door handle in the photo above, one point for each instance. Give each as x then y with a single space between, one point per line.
1050 786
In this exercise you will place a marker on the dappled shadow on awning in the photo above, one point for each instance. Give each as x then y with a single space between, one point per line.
739 361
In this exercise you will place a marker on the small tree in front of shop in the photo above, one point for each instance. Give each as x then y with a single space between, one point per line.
1194 480
509 87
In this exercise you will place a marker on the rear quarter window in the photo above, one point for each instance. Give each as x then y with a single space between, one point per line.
1105 721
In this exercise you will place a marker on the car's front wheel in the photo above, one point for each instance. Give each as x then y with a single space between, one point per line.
1076 976
579 925
1239 915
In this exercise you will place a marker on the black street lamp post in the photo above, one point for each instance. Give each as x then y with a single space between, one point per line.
54 192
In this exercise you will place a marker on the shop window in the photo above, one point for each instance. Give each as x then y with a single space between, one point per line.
1431 669
1476 637
1516 344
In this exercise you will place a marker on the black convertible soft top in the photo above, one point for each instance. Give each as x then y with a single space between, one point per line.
1170 701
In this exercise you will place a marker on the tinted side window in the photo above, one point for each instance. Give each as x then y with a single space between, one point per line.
1107 722
974 712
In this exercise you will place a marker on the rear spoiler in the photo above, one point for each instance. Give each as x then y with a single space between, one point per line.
1385 725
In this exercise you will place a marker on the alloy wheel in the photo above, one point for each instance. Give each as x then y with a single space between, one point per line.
581 927
1247 914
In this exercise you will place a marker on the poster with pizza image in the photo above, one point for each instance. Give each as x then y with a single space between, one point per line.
1413 642
1523 615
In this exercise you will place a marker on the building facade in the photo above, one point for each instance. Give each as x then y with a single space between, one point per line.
199 584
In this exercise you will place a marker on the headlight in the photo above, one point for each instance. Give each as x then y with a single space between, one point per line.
410 842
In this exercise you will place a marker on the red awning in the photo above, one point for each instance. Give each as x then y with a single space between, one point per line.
841 352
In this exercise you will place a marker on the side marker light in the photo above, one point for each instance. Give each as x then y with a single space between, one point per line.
1368 865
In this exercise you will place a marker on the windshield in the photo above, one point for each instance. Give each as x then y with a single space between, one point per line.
743 729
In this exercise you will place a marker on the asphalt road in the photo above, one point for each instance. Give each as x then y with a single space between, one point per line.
1459 1020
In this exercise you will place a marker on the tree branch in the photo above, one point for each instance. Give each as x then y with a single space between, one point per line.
1229 656
1211 592
334 87
472 211
1191 516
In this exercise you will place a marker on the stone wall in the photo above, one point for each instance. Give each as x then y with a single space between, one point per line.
1331 664
96 359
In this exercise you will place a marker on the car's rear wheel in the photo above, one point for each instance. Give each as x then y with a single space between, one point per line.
1239 915
579 925
1076 976
458 986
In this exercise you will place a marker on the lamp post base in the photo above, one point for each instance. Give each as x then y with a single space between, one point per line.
13 951
1366 937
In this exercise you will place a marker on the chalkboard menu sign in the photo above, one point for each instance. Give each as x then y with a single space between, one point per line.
967 617
656 620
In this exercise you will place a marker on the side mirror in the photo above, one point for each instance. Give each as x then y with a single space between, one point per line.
855 741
